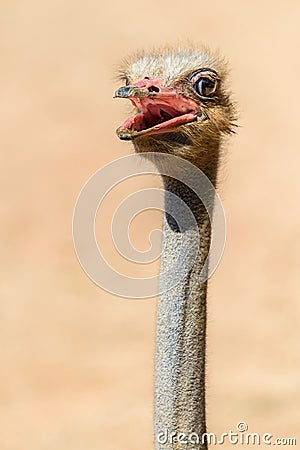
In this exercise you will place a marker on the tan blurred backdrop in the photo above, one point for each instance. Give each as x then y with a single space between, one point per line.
76 362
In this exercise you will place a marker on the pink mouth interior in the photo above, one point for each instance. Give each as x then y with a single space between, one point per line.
160 112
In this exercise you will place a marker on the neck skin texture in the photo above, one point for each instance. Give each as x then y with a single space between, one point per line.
180 418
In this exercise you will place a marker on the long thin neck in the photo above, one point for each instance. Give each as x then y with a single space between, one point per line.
181 331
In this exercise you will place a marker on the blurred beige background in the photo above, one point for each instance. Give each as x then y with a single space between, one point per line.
77 363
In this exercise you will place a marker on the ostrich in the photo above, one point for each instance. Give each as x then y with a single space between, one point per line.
181 108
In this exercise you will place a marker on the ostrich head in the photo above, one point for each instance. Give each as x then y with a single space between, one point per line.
181 103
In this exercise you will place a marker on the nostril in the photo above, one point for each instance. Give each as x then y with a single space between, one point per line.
153 89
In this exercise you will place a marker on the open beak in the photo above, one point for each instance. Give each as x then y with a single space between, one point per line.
159 109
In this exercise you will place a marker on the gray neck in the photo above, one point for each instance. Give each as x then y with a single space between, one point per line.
181 332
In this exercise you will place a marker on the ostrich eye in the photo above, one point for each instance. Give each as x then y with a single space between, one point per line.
205 86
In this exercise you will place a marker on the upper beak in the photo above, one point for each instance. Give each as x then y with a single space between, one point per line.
145 88
132 91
